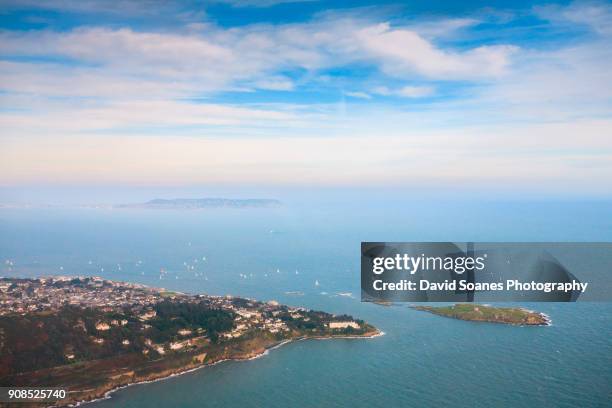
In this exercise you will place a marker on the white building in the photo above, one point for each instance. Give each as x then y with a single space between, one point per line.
343 325
102 326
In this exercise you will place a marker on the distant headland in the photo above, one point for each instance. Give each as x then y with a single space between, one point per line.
484 313
199 203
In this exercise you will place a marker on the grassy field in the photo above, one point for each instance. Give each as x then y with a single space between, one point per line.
480 313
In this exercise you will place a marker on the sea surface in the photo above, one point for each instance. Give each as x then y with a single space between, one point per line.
281 253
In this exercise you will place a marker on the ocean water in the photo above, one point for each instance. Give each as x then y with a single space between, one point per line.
422 360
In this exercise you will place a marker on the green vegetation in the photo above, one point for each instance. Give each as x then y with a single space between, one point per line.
174 316
44 340
315 324
480 313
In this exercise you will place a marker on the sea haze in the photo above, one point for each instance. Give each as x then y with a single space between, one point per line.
280 253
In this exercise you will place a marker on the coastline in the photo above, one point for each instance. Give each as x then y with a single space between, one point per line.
89 373
544 316
108 394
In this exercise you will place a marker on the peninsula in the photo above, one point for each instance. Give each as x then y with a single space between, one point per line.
89 335
483 313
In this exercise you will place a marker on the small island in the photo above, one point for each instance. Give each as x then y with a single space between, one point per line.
483 313
91 336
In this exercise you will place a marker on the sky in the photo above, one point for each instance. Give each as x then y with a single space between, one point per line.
509 95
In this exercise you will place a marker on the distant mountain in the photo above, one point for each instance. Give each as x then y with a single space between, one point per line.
195 203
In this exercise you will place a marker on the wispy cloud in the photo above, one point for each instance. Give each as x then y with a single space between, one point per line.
358 94
595 15
275 83
518 157
405 91
259 3
109 66
335 97
213 58
403 53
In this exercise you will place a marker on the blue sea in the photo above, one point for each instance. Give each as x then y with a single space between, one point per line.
280 254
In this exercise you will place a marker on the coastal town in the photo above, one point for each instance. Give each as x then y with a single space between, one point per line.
22 296
90 335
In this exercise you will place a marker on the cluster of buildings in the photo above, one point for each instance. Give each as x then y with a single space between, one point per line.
21 296
263 316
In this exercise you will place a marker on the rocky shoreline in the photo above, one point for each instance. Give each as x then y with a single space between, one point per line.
106 392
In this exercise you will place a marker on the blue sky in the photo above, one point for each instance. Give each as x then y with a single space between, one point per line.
244 92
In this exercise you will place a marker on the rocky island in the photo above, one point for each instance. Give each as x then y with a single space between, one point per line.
90 336
483 313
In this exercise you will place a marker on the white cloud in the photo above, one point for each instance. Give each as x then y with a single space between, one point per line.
211 58
275 83
403 52
415 91
443 28
562 84
115 105
406 91
596 15
357 94
84 118
116 66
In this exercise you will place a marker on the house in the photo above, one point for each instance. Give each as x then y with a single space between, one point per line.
148 315
102 326
177 345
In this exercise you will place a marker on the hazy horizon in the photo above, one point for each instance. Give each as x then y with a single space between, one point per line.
75 195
